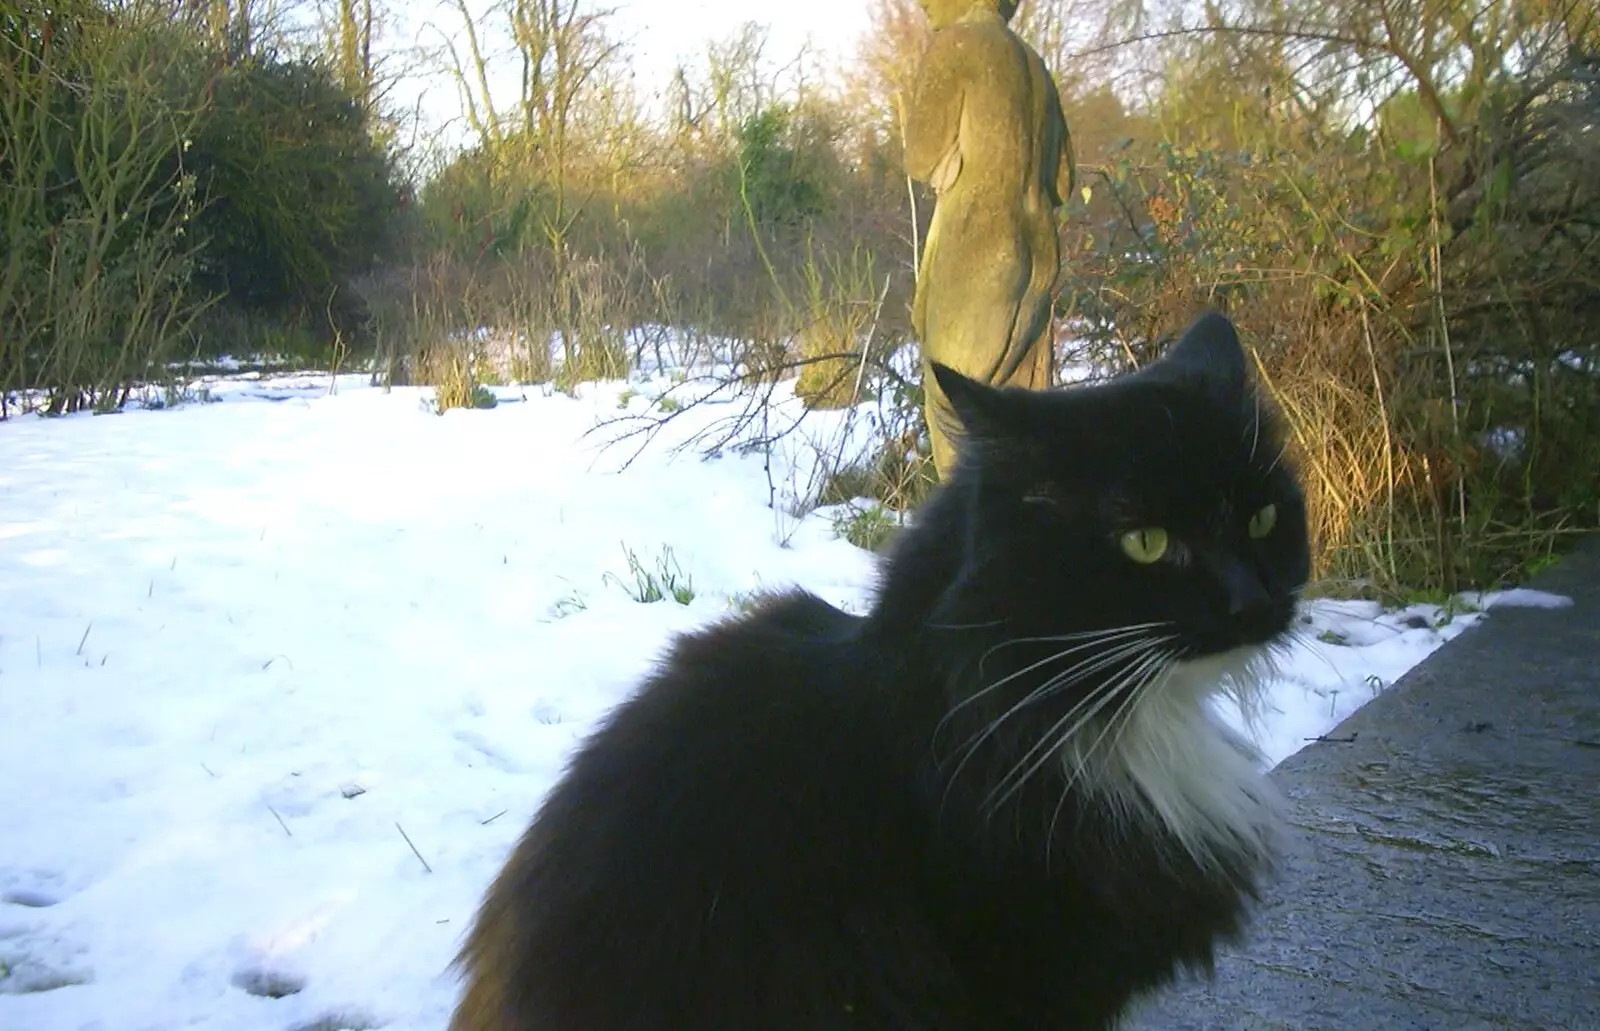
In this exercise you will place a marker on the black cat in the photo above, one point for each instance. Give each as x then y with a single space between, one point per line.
998 801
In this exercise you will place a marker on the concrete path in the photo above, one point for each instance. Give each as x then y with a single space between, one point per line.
1446 870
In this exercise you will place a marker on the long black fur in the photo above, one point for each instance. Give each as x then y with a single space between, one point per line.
789 826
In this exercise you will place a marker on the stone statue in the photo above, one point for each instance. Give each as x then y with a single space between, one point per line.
985 130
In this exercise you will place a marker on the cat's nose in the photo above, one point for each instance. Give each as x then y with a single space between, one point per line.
1246 595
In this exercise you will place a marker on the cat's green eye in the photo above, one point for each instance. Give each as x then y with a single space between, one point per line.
1263 521
1145 546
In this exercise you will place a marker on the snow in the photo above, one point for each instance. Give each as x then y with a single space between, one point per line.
1520 597
282 678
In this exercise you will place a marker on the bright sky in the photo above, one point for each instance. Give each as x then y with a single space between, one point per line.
663 31
656 35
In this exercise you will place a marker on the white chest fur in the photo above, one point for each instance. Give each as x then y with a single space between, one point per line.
1169 758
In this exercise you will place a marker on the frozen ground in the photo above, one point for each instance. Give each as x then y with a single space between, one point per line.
282 679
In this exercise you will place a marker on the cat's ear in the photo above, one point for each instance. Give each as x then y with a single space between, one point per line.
982 410
1210 349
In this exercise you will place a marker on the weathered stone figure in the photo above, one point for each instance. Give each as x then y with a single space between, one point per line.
985 130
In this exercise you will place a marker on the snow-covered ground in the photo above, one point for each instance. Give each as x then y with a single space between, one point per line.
283 678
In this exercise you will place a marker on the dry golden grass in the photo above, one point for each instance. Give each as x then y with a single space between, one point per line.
1339 440
829 379
1398 494
449 368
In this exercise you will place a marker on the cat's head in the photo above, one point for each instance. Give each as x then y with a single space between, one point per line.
1159 499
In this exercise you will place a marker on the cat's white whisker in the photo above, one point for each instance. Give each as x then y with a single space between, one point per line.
1300 638
1078 636
1149 681
1149 666
1077 672
1106 634
1055 737
1082 669
1281 452
1156 669
1177 764
1051 742
1096 637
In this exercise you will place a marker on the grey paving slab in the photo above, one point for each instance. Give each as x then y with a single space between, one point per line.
1444 868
